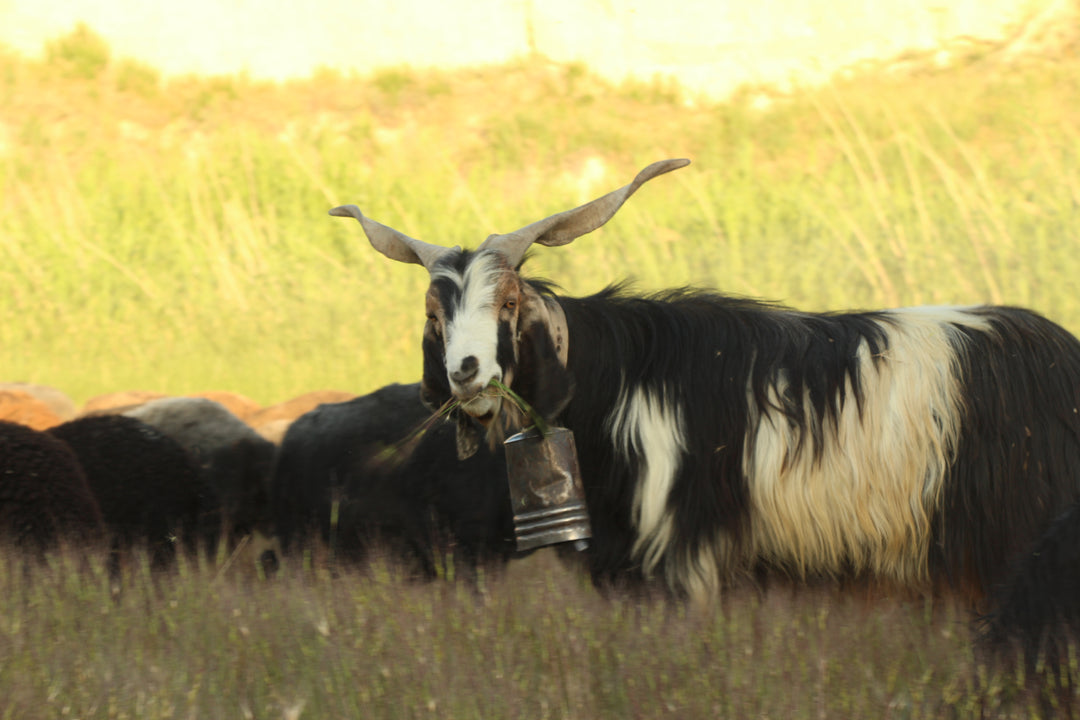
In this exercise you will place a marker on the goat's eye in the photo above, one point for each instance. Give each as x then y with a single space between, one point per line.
510 304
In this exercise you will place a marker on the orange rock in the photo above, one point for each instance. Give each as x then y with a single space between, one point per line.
239 405
19 406
274 430
57 401
118 400
297 406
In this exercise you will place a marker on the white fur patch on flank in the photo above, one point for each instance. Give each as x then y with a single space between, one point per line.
473 327
642 423
864 502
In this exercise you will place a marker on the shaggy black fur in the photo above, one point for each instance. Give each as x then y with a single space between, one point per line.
416 499
1036 613
44 495
234 461
724 346
146 484
1017 464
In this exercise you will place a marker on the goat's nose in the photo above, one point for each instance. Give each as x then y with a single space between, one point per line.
467 371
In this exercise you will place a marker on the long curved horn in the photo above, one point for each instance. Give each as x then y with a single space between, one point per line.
392 243
569 225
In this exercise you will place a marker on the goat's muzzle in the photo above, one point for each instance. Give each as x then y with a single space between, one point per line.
481 403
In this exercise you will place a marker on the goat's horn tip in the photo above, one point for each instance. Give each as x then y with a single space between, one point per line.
345 211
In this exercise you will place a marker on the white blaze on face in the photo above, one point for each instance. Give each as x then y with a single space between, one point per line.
472 330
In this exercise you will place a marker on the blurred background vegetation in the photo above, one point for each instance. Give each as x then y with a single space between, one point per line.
170 234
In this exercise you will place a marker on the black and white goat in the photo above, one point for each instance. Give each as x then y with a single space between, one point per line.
920 446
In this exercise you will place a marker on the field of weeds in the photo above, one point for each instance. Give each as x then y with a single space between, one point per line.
535 641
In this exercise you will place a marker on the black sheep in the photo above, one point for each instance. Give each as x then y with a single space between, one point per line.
44 495
354 460
147 485
234 460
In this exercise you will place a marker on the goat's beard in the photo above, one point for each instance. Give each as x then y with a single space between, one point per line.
503 419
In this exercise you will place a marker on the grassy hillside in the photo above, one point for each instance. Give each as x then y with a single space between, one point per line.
171 234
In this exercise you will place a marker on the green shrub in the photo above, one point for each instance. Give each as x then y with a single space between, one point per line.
82 53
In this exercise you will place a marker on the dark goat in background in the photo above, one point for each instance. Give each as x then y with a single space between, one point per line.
233 460
352 474
45 499
147 486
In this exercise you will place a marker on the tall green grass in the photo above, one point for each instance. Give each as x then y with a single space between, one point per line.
171 234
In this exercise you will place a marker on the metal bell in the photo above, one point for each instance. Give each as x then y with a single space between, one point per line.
545 489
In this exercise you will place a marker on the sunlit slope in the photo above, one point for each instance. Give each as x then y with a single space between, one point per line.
173 235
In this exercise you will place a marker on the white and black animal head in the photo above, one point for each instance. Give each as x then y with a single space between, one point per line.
485 322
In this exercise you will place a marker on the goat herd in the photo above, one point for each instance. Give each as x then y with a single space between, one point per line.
934 449
188 472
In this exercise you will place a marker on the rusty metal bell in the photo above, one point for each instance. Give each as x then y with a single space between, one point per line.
545 489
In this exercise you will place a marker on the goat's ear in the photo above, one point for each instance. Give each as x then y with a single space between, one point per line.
569 225
542 377
392 243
